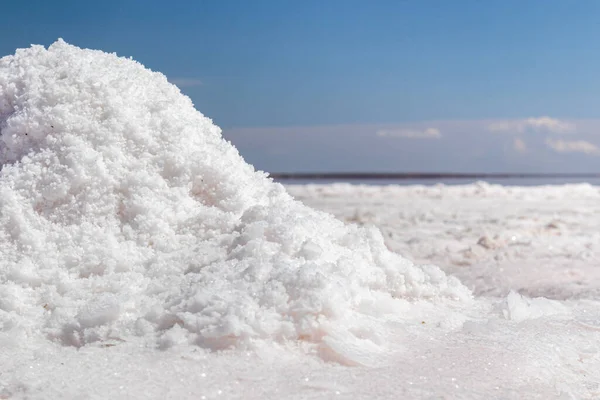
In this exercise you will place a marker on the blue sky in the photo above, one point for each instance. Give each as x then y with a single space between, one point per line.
336 71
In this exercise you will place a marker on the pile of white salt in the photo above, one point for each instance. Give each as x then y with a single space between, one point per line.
125 215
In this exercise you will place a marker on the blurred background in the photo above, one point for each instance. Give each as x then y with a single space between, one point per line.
440 86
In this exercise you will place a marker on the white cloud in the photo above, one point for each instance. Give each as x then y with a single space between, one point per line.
487 152
185 82
573 146
541 124
519 145
429 133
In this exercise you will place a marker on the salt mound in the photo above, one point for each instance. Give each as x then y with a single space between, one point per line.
124 214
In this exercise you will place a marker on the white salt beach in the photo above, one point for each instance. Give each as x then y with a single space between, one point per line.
142 257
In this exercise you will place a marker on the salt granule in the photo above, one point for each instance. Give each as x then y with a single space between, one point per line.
124 214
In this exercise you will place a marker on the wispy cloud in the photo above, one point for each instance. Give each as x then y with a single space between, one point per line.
519 145
431 146
428 133
541 124
573 146
186 82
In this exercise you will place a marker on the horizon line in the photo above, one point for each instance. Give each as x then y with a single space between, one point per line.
422 175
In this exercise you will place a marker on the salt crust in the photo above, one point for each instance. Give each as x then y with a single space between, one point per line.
124 214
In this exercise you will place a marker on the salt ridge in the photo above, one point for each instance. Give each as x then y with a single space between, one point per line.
125 215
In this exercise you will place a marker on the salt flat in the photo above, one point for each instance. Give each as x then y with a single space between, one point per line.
539 241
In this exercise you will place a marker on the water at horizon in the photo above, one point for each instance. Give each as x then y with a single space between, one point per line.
544 181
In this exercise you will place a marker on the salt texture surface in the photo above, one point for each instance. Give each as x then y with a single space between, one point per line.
135 241
124 214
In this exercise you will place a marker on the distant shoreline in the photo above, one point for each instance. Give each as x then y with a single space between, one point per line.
419 175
